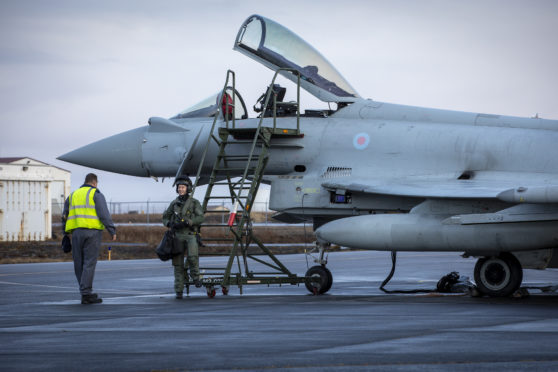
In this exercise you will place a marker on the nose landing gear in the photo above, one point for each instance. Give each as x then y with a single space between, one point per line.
318 278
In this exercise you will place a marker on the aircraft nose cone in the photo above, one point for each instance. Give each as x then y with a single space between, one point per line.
120 153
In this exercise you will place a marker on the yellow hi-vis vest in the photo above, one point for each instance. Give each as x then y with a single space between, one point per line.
82 213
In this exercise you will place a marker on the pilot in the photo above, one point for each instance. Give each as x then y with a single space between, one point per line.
184 215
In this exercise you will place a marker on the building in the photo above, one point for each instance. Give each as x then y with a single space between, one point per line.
30 193
261 203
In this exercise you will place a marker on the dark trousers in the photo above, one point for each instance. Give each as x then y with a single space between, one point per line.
85 251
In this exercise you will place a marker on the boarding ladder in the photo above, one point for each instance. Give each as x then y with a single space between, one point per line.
240 174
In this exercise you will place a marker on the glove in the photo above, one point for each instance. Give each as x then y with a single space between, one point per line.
66 244
180 225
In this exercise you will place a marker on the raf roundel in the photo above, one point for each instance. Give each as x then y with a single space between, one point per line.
361 141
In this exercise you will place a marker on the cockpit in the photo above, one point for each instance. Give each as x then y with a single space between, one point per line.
277 48
210 106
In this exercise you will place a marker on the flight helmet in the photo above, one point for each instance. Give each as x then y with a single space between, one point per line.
183 180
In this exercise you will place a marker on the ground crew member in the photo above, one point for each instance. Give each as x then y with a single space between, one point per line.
184 215
85 216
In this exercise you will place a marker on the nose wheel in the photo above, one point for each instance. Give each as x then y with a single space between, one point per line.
211 292
318 279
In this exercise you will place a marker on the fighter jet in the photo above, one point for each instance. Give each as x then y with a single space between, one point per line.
369 174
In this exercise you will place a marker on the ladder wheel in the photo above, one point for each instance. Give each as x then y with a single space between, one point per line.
211 292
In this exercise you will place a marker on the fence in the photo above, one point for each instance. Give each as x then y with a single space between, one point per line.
151 211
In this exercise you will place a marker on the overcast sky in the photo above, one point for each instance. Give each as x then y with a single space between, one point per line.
73 72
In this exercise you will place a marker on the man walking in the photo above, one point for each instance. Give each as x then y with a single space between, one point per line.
185 215
85 216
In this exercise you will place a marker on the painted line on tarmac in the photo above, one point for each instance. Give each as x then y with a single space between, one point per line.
38 285
38 272
74 288
111 300
96 270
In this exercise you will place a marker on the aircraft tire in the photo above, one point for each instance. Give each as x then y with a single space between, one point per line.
498 276
325 282
329 278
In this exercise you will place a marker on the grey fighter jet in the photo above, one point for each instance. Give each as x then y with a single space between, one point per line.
373 175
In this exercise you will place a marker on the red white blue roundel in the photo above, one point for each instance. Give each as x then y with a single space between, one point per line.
361 141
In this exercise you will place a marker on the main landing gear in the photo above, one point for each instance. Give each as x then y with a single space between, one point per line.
318 278
498 276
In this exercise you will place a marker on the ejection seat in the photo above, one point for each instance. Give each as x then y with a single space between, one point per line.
282 108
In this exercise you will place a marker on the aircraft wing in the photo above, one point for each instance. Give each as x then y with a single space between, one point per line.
423 187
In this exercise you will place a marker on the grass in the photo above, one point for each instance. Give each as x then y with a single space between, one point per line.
142 240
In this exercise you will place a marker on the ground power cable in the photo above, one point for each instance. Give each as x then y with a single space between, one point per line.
305 239
390 275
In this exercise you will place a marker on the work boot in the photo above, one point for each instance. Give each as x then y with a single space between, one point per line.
197 283
178 295
90 299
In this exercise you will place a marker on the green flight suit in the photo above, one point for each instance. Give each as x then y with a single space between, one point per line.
185 209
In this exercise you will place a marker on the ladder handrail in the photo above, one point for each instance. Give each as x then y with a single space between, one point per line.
258 128
219 110
226 118
297 73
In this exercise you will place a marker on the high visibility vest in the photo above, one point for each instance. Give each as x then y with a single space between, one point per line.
82 213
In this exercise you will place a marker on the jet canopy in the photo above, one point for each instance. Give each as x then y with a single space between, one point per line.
277 47
209 106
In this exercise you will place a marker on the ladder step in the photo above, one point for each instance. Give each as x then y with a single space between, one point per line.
233 169
241 142
237 187
240 157
227 197
218 239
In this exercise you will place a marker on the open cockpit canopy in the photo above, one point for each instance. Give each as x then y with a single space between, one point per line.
277 47
209 106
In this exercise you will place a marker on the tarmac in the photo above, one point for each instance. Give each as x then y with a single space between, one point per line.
353 327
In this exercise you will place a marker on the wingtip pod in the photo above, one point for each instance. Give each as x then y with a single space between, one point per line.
546 194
